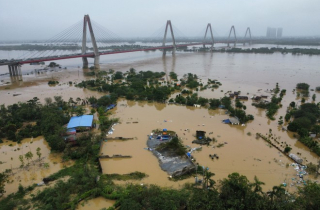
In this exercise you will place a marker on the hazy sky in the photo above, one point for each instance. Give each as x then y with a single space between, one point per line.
42 19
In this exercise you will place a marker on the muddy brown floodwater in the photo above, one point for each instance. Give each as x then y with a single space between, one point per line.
252 74
10 152
95 203
242 153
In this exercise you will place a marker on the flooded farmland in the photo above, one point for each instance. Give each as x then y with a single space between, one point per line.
252 74
39 167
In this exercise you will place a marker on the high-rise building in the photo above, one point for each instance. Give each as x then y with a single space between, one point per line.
279 33
274 32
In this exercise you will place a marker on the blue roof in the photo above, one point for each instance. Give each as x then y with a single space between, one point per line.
111 106
80 121
226 121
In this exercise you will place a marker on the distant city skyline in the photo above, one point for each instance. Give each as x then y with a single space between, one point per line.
41 20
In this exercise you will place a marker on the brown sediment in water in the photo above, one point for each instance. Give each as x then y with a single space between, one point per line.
34 173
95 203
34 87
243 153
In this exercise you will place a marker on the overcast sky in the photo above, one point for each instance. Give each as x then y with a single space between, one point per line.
42 19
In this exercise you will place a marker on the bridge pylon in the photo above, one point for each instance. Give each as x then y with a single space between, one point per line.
165 38
86 21
205 36
235 36
248 31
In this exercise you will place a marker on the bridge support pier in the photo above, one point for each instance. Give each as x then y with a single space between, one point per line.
96 62
15 70
10 70
85 63
165 52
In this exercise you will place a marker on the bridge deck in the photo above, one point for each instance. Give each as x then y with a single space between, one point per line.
88 55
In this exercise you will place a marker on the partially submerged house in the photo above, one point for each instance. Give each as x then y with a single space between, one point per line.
111 106
242 97
231 120
200 134
256 98
296 158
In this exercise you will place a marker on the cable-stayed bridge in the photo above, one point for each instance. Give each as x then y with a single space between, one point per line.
87 40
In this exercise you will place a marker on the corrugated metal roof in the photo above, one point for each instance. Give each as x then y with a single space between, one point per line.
80 121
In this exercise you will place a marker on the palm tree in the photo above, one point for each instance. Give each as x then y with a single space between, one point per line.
207 179
257 185
277 191
78 100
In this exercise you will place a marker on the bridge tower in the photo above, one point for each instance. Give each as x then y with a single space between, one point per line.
86 21
165 38
235 37
205 36
250 39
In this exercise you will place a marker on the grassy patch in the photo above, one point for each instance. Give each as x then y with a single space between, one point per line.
124 177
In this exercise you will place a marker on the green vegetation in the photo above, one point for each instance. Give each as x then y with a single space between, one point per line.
173 76
84 181
303 86
234 112
190 80
305 121
53 64
174 146
303 89
273 106
135 87
31 119
287 149
266 50
3 180
52 82
124 177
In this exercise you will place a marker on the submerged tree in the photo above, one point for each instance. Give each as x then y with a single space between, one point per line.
28 156
21 160
3 180
39 153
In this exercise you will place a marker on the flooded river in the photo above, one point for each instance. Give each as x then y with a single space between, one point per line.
249 73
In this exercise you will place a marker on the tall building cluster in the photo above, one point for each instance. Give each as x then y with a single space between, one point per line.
274 32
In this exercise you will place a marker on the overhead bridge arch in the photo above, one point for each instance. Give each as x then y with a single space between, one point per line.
205 36
165 37
248 31
234 34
